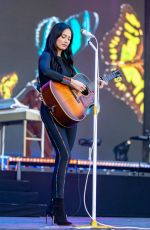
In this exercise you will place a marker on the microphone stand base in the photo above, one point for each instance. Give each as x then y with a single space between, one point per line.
93 225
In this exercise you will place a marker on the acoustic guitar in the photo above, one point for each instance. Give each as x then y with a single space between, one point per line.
67 105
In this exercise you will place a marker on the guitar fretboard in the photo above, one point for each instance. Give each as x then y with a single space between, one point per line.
114 74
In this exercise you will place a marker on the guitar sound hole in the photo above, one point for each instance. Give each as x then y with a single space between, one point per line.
85 92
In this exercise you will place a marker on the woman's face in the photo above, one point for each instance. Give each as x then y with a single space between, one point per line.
63 41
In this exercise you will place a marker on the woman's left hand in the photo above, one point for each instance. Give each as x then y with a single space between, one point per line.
102 83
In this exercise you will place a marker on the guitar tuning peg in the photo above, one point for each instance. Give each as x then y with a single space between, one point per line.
118 79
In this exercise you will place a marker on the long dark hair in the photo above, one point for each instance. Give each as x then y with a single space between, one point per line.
50 47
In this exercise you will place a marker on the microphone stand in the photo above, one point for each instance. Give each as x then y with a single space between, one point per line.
17 102
25 88
95 117
94 223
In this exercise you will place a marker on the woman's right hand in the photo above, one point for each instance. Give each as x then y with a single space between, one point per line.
79 86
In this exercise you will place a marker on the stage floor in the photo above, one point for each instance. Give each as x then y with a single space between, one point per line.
25 223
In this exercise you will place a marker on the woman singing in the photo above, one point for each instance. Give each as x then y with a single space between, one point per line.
56 64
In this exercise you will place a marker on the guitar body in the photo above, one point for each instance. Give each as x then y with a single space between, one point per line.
67 105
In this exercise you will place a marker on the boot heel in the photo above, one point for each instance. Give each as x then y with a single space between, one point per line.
53 220
46 218
50 212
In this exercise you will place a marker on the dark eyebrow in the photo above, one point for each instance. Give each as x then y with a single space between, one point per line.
65 35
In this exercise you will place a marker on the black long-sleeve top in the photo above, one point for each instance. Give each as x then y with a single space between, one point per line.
46 73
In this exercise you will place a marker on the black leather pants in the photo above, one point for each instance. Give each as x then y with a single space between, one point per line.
62 139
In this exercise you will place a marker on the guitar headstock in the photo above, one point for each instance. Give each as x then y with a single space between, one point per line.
117 74
114 74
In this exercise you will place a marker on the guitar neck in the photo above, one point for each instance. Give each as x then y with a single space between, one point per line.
110 76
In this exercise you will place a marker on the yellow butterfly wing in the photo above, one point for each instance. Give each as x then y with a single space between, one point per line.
122 48
7 84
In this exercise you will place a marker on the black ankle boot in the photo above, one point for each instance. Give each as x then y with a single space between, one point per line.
50 210
59 214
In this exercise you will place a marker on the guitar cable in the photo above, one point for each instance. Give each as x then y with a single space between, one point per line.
86 181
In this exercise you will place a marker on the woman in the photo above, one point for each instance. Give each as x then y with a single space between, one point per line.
56 64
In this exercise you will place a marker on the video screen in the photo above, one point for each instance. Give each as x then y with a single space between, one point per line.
118 26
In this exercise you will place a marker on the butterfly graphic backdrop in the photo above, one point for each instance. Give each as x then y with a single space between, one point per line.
84 20
122 48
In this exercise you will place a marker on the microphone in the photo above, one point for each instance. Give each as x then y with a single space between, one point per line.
32 83
87 33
